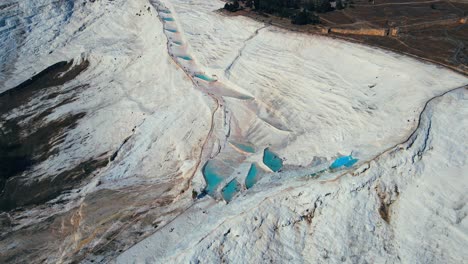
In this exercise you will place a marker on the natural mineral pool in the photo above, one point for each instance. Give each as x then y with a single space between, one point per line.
246 147
171 30
185 57
168 19
272 160
211 177
205 77
251 178
177 42
166 11
230 190
244 97
347 161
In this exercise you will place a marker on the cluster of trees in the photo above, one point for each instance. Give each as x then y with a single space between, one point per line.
305 17
233 7
238 5
320 6
301 12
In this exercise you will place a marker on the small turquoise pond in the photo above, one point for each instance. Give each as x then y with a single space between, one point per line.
177 42
211 177
251 178
347 161
168 19
230 190
272 160
166 11
185 57
205 77
171 30
244 147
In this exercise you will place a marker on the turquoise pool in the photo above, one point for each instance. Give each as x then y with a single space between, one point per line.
272 160
230 190
251 178
244 147
171 30
205 77
168 19
187 58
346 161
211 177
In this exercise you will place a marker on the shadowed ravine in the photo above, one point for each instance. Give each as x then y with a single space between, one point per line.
25 144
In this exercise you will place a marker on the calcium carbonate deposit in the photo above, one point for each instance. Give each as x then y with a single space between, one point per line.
172 133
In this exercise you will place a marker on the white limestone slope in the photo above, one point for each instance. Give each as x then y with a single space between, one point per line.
337 97
318 97
135 90
333 96
309 98
138 105
419 187
213 38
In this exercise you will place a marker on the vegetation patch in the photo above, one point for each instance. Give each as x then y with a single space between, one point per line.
301 12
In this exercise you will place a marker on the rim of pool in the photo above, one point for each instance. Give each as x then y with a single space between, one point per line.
205 77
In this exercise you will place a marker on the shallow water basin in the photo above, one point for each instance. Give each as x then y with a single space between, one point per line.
205 77
246 147
251 178
212 178
230 190
272 160
187 58
346 161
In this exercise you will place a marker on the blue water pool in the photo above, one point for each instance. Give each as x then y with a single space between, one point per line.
230 190
205 77
211 177
177 42
272 160
244 147
166 11
346 161
185 57
171 30
168 19
251 178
